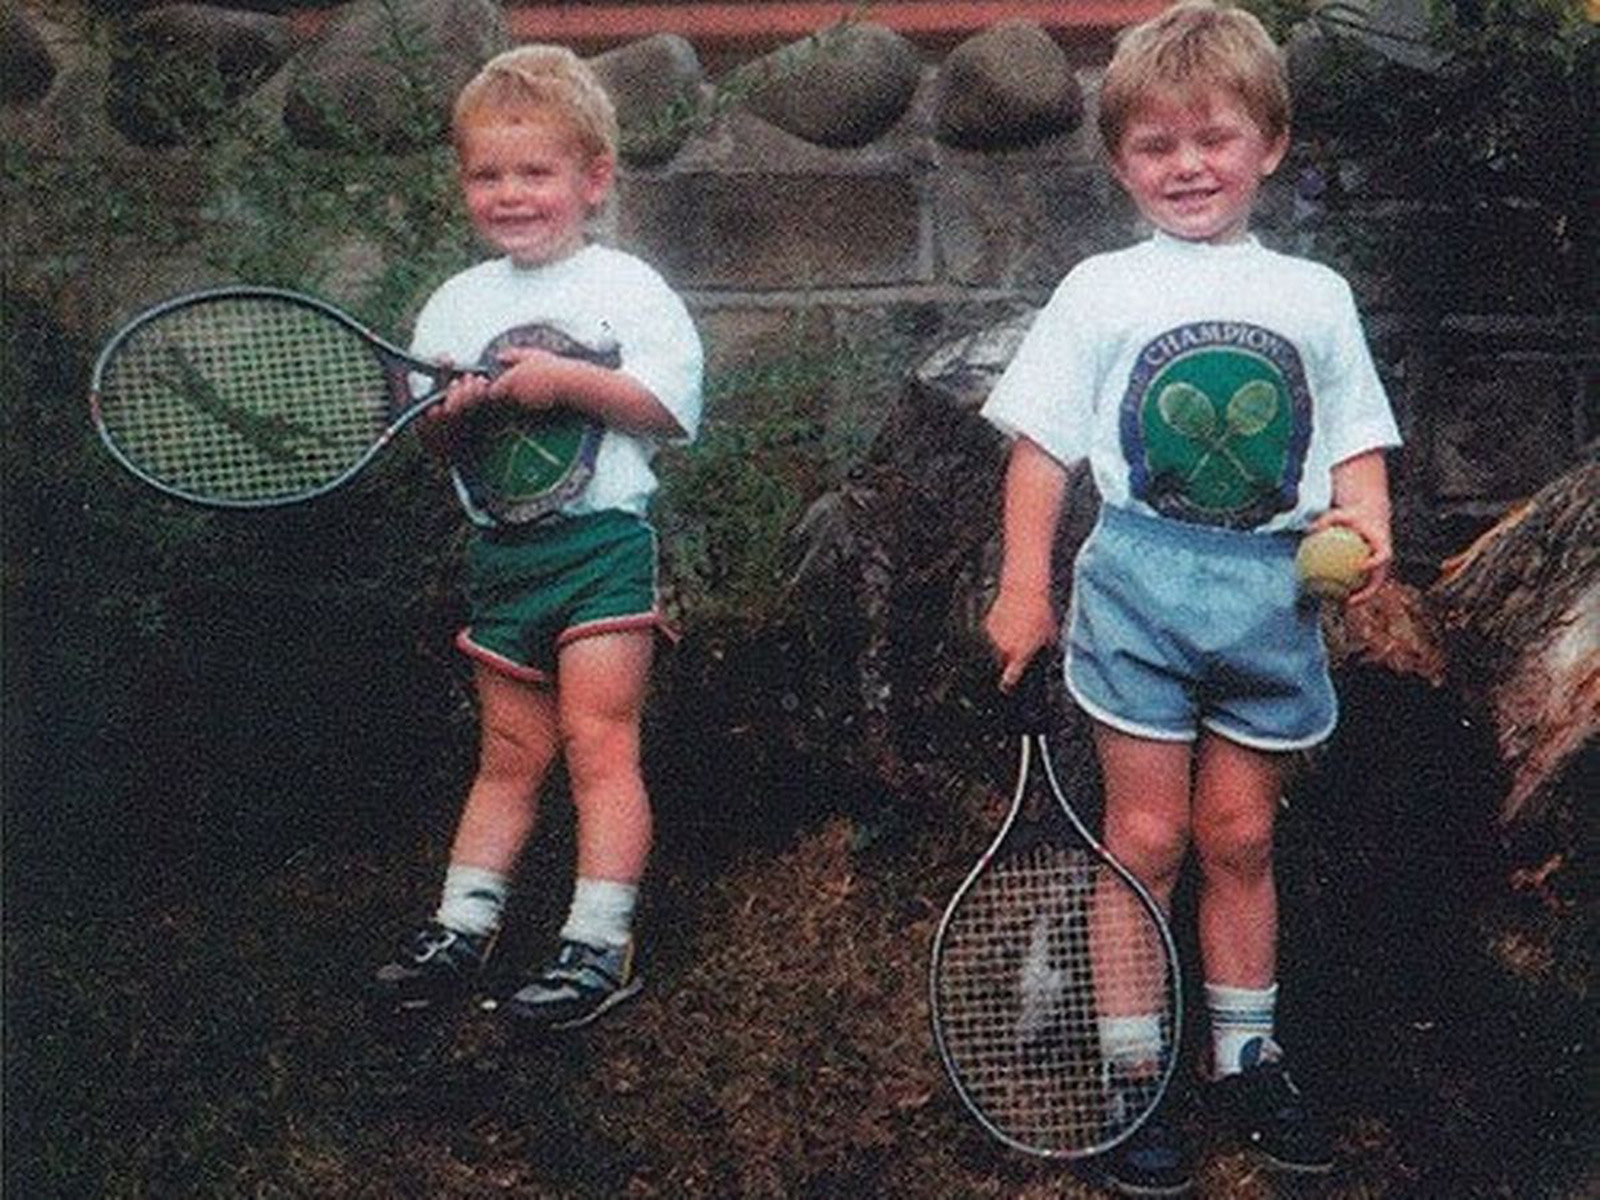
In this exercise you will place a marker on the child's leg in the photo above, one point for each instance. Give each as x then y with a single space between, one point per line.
1147 822
1237 790
601 692
517 742
601 695
1147 830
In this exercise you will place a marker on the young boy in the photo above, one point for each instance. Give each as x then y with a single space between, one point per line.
1227 403
563 603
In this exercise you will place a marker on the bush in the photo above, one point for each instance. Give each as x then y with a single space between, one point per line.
1482 124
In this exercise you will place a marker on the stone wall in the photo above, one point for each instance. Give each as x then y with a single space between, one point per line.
851 198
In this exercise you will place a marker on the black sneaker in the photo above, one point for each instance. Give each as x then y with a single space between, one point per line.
1155 1161
434 965
582 983
1271 1113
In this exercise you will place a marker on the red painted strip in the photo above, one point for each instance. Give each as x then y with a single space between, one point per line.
752 23
498 662
654 620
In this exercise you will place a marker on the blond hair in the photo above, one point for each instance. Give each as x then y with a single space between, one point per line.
547 80
1195 45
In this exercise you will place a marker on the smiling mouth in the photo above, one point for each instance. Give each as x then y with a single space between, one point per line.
518 226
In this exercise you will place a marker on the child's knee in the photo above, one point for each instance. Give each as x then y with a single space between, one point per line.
513 749
600 749
1237 844
1148 842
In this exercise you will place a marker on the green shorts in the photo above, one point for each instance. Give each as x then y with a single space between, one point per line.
532 589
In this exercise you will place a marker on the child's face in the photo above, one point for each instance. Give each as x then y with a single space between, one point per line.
530 186
1193 164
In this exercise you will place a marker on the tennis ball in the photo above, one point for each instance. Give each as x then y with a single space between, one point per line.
1329 562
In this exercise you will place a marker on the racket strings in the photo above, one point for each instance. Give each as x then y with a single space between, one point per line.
1044 950
244 398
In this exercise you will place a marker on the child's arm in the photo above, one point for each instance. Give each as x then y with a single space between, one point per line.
1022 620
538 379
1361 502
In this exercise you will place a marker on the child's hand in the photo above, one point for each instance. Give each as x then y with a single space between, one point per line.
465 392
1361 503
1019 625
1373 527
532 378
440 422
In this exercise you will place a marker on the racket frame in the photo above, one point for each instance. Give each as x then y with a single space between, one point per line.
396 364
1035 749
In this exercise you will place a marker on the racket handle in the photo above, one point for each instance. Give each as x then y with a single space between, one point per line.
1027 706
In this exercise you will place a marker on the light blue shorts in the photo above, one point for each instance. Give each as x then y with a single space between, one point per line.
1176 627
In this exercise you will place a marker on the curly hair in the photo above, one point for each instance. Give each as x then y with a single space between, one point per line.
544 79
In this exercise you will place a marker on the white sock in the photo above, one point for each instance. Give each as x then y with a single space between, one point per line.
473 900
1239 1016
1131 1042
601 913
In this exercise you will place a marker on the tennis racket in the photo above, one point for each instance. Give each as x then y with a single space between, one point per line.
250 397
1054 984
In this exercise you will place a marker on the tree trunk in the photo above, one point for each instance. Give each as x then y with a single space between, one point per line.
1512 627
1520 613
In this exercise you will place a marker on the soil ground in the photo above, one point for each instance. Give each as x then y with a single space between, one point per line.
189 1023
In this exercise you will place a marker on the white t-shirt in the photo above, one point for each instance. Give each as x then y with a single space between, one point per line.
1212 384
600 297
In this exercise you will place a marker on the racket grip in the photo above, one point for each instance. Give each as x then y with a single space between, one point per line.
1027 708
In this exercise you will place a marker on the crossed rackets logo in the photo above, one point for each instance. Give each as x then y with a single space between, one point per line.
1193 415
1215 424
